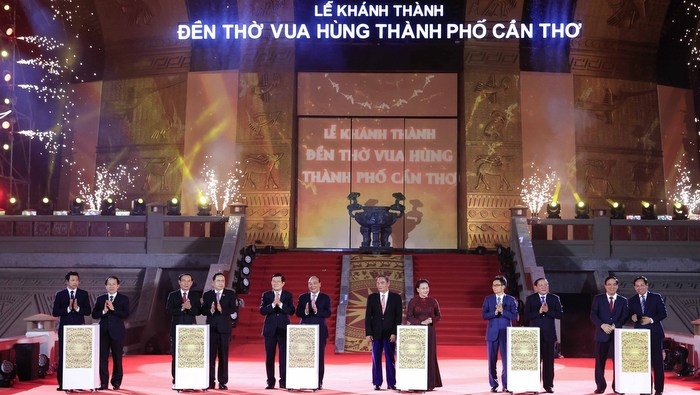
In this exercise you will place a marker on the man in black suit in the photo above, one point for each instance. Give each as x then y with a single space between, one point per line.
648 310
112 309
277 306
541 309
218 305
71 306
183 305
382 315
608 311
313 308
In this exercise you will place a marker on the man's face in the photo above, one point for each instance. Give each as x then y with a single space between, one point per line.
185 282
497 287
112 285
314 285
73 282
640 287
542 287
382 284
277 283
219 282
611 287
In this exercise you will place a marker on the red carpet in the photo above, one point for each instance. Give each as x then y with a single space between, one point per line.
463 371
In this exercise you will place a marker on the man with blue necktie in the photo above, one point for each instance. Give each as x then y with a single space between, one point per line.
499 310
648 310
608 311
541 309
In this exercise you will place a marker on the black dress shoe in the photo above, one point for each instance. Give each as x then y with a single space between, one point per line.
391 387
505 390
548 390
270 387
494 389
115 387
102 387
222 386
59 389
658 393
598 391
376 388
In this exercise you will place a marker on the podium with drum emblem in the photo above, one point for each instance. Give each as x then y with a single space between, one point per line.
632 360
412 358
191 357
523 367
302 357
81 357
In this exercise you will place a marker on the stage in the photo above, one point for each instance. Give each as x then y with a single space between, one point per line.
463 370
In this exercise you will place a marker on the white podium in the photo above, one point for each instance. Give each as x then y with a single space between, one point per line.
81 357
523 367
302 357
633 360
412 357
191 357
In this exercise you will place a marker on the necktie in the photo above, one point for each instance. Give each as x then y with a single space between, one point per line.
218 297
498 300
542 299
72 294
111 298
644 302
184 297
611 304
313 298
383 303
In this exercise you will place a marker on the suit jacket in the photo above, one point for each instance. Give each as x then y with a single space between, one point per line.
655 308
323 307
601 314
382 325
112 322
220 321
276 317
60 308
543 321
498 323
173 306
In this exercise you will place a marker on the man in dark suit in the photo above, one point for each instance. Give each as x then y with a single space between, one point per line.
71 306
112 309
277 306
499 310
541 309
183 305
648 310
313 308
608 311
218 305
382 315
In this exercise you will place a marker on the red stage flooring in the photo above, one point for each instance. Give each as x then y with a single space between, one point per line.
463 370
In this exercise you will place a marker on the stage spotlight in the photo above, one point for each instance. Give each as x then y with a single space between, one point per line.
8 372
244 269
680 211
648 210
13 206
582 210
203 206
173 207
45 207
76 206
554 210
108 206
617 211
138 207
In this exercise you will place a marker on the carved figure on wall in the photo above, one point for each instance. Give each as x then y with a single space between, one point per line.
493 166
497 8
257 122
490 88
643 176
137 11
265 85
611 102
626 12
597 172
496 125
157 168
259 167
